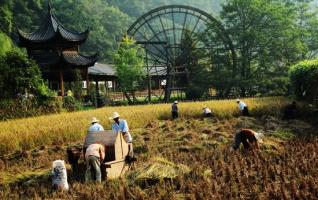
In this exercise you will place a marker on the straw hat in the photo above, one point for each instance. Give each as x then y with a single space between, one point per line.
115 115
175 102
238 100
204 107
94 120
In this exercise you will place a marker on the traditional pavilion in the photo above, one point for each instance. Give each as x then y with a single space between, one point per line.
56 50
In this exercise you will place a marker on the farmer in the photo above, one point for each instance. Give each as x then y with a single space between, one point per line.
248 138
207 112
243 107
95 126
121 125
290 111
94 156
174 110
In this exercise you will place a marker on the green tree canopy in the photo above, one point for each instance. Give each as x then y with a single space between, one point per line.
266 37
19 75
129 65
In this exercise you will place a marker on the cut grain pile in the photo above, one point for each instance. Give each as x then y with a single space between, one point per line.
159 169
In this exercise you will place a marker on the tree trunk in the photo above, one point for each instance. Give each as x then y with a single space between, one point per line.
62 84
134 97
128 98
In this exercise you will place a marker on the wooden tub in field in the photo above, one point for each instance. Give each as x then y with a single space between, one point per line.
116 151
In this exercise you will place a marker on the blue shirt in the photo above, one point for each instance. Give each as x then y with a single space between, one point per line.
96 127
242 105
121 127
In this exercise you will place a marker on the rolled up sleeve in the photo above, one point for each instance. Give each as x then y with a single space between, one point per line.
125 127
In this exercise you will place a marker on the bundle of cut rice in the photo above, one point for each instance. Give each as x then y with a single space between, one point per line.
159 169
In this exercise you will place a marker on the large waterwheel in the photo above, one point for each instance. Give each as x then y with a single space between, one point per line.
162 31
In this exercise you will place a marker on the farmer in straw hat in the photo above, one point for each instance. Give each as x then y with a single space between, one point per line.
174 110
243 107
207 112
121 125
248 138
95 126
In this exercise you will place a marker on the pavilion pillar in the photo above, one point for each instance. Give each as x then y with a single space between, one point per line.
87 82
114 85
62 84
97 93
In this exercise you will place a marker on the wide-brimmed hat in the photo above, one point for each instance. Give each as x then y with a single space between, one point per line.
204 107
238 100
175 102
94 120
115 115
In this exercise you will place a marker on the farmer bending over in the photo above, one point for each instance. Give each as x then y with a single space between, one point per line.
94 156
248 138
207 112
290 111
174 110
243 107
95 126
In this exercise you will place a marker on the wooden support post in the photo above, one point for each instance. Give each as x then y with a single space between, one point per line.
97 93
149 88
87 82
114 86
62 84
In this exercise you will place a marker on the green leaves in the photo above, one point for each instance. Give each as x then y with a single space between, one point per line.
304 78
19 75
129 64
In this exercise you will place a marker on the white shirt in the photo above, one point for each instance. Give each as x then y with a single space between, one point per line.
95 150
242 105
95 128
206 111
122 127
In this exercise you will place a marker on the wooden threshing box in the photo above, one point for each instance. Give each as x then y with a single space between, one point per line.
116 151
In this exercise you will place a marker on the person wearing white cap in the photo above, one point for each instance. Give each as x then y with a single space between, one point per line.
121 125
95 126
243 107
174 110
207 112
248 138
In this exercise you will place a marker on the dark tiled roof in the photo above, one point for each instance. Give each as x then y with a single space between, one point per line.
52 28
77 59
102 70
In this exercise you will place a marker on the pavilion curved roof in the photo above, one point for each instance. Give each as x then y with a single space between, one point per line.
51 29
78 59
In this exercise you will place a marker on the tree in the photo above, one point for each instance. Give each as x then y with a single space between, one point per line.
6 16
5 44
129 65
265 37
19 75
197 78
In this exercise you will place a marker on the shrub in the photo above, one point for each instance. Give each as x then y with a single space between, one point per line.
71 104
304 79
19 75
29 107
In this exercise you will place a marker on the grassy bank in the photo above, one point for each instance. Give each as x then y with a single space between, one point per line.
24 134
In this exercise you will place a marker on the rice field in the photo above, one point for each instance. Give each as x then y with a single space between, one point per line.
25 134
189 158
